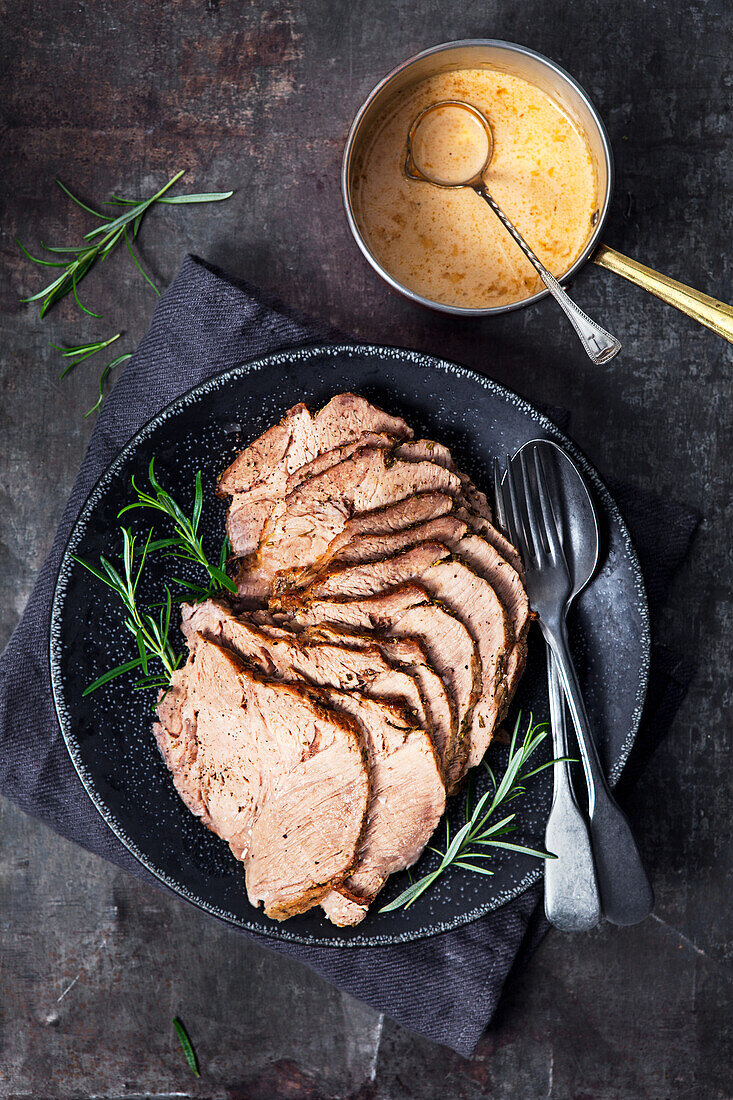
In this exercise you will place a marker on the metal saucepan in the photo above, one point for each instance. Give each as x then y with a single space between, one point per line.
560 86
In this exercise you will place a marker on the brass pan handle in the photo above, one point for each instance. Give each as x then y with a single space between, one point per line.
708 311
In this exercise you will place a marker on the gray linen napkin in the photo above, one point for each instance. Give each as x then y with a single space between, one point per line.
447 987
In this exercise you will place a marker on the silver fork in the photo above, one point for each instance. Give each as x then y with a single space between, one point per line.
572 902
626 894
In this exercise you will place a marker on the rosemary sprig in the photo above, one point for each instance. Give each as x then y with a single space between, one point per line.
186 543
76 261
150 631
480 836
187 1045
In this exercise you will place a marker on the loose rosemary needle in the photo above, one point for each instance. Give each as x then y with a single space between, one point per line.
187 1046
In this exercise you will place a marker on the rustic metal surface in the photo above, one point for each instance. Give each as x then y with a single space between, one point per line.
259 97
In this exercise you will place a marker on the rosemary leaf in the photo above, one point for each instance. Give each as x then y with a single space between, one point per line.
110 675
187 1046
138 265
150 626
103 378
151 634
187 544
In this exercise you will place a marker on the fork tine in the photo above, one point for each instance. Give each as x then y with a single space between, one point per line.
509 514
531 506
518 529
499 498
548 515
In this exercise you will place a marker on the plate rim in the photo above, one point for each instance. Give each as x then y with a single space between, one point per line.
299 353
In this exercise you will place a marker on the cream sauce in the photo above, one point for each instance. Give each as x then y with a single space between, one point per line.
446 244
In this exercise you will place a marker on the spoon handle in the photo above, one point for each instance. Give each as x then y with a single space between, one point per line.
626 893
599 344
708 311
572 903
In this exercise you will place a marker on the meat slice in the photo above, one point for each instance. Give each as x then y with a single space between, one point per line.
471 505
270 768
259 475
249 511
247 515
367 578
481 526
326 459
458 588
278 652
408 795
305 522
301 437
408 612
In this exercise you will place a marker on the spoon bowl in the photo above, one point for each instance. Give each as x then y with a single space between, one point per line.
463 139
576 514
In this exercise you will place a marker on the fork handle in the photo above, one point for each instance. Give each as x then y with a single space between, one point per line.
571 891
626 893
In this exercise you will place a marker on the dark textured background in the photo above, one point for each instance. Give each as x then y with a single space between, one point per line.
116 96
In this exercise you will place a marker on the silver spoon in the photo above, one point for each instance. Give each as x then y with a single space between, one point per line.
572 901
467 168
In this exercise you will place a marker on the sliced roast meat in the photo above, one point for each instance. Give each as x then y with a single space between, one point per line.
367 578
371 547
259 475
347 415
458 588
484 559
408 655
407 802
474 550
471 504
304 523
419 449
408 612
327 459
247 515
249 510
301 437
278 652
270 768
481 526
416 509
268 460
408 794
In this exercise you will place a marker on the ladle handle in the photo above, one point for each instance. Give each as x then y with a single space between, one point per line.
599 344
708 311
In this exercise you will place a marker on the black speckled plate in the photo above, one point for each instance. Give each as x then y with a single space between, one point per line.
108 734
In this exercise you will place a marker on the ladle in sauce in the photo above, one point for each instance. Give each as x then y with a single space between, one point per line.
450 144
